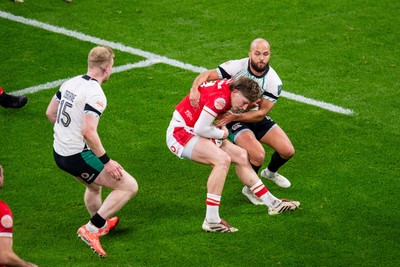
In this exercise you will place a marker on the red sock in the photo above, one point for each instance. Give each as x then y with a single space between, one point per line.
259 189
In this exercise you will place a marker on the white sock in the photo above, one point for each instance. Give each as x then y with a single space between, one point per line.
212 212
91 228
270 200
262 192
269 173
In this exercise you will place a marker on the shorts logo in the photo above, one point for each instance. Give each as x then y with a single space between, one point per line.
236 126
219 103
85 175
6 221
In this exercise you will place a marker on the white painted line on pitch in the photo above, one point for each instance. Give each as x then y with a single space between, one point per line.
54 84
148 55
317 103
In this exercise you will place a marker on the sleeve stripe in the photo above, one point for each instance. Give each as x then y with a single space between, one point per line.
210 111
92 109
224 73
6 234
58 95
266 94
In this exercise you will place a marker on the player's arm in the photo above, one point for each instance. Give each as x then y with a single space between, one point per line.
264 108
205 128
7 255
92 138
209 75
51 111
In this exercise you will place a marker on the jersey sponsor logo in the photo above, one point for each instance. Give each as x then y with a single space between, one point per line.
99 104
6 221
189 114
219 103
85 175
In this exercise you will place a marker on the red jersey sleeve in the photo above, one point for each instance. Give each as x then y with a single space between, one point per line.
6 220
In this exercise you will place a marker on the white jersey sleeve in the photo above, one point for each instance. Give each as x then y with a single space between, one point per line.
269 82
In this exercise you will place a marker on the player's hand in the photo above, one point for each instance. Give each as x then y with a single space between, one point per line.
227 118
194 98
114 169
254 105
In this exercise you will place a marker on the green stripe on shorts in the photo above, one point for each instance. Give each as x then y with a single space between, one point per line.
90 158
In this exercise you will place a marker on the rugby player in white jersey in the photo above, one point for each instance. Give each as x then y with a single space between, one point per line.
250 129
75 111
191 134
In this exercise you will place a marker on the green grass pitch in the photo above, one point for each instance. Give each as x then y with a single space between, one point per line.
345 171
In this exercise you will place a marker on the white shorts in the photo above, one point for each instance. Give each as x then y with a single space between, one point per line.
180 137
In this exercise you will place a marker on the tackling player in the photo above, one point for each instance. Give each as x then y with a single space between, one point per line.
248 130
190 134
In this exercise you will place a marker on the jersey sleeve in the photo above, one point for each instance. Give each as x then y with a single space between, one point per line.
6 220
272 89
96 102
204 126
230 68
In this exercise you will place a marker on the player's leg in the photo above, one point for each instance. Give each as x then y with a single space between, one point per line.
93 200
250 179
206 152
254 148
277 139
122 191
239 157
11 101
242 134
101 223
185 144
92 197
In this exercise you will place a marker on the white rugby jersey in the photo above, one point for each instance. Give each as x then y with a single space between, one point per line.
270 83
76 97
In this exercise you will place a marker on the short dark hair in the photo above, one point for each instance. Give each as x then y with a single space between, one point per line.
248 87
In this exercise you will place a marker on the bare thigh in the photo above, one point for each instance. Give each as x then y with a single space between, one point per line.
206 152
277 139
105 180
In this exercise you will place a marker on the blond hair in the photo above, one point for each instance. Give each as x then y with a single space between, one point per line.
100 55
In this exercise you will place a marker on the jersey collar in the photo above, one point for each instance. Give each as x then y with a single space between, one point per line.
88 78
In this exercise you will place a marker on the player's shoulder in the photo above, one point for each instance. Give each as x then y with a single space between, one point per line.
273 75
4 208
236 62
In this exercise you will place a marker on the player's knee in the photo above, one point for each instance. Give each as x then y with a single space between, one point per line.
243 157
257 157
223 161
133 188
287 153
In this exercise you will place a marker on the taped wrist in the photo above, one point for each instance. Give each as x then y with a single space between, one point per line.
105 158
